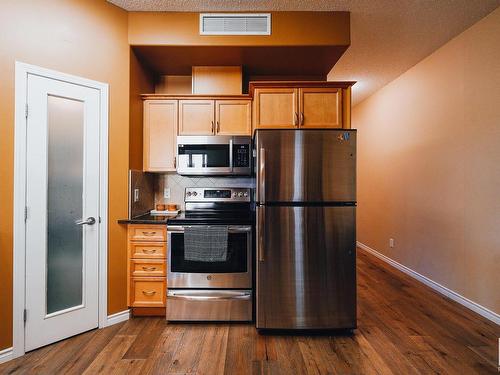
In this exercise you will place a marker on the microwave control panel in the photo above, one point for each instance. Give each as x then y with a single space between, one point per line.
241 156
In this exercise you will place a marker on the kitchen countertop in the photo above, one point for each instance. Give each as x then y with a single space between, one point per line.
147 219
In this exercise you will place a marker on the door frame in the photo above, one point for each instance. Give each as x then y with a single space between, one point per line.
22 71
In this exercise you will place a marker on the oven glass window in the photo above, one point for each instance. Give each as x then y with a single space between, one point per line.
236 261
201 156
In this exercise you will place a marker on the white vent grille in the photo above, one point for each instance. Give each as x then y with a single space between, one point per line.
235 24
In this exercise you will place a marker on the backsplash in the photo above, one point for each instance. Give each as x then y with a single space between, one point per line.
177 185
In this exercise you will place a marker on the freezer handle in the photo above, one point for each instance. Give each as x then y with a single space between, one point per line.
262 175
261 215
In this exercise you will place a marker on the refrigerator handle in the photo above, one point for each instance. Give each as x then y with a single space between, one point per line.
261 215
262 175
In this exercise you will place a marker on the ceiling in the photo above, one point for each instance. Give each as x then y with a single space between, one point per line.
387 37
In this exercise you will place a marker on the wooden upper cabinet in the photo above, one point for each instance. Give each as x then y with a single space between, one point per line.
196 117
160 135
275 108
233 117
320 107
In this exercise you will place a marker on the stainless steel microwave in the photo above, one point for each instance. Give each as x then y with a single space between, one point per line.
214 155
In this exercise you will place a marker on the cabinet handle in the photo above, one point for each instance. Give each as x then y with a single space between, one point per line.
149 292
295 119
149 234
212 122
218 126
175 162
149 268
149 251
301 118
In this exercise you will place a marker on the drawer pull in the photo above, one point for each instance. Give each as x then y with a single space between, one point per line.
149 292
149 234
149 268
149 251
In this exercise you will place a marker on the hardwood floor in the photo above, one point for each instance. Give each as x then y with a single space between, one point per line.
404 328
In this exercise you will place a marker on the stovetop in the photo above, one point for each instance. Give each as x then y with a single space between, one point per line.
213 218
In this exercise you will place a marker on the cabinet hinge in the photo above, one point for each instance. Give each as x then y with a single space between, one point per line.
25 316
26 111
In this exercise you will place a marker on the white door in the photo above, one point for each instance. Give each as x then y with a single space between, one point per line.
62 200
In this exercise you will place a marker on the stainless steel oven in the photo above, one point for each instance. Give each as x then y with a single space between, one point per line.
214 155
235 272
200 286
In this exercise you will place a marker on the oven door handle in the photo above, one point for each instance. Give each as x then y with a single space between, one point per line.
231 228
209 295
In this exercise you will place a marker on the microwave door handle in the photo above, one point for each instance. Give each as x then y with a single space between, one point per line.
231 155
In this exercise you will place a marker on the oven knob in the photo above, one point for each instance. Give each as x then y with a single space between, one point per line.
240 194
195 193
188 193
245 194
234 194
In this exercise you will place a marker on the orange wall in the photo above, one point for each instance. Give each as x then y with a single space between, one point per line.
141 82
429 165
87 38
288 29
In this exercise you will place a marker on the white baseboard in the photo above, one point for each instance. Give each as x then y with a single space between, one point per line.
118 317
6 355
481 310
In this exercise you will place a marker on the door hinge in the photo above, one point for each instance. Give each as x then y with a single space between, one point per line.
25 316
26 110
25 213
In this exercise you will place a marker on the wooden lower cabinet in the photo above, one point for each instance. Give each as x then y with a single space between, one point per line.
147 268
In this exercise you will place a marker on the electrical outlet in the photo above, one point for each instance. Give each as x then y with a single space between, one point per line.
391 242
166 193
136 195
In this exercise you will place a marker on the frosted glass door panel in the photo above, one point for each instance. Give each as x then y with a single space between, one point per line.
64 203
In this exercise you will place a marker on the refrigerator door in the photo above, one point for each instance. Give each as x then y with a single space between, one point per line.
314 165
306 267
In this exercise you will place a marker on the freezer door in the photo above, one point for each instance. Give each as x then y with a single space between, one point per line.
306 268
305 165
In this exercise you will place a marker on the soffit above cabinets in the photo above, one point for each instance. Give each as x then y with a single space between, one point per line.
300 44
256 61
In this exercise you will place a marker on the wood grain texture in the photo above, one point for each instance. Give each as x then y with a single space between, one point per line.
233 117
160 135
404 328
217 80
196 117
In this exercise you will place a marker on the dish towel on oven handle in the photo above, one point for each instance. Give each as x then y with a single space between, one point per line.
205 243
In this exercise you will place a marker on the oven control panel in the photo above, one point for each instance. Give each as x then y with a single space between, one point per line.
217 195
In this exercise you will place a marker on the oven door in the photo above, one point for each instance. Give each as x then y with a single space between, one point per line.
234 273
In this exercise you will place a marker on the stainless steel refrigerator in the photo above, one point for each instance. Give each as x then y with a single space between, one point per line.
305 229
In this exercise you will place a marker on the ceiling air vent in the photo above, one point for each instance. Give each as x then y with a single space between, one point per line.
235 24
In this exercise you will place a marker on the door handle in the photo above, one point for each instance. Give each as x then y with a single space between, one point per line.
301 118
212 122
262 177
89 221
260 231
218 126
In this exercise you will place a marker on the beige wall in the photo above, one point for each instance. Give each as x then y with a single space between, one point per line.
429 165
87 38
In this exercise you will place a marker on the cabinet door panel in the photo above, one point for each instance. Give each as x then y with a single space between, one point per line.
233 117
320 107
196 117
275 108
160 135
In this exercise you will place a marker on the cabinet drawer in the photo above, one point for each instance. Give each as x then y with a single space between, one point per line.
148 291
138 232
147 268
147 250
